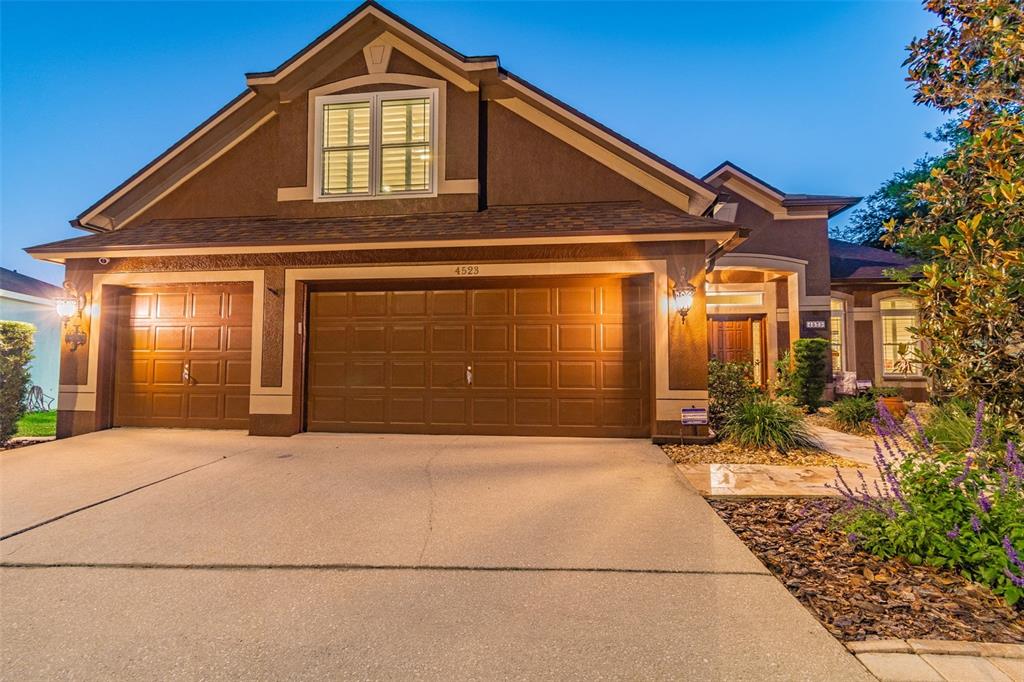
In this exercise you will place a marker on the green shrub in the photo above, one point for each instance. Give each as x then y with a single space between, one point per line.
783 386
854 412
766 423
811 362
729 385
952 427
942 508
15 354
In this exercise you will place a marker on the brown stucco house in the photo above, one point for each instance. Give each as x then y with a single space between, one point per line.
383 234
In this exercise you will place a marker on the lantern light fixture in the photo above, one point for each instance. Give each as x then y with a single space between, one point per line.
70 306
682 295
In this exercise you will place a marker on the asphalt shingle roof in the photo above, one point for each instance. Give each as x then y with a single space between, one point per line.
853 261
618 218
30 286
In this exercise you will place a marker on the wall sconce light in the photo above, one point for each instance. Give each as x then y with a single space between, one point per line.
682 295
69 306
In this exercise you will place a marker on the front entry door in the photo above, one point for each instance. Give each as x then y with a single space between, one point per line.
738 339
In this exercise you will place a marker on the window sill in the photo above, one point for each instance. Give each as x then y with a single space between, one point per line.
375 197
905 377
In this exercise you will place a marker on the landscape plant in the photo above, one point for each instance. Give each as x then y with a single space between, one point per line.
15 356
951 509
952 426
767 423
971 236
729 385
783 385
854 412
809 366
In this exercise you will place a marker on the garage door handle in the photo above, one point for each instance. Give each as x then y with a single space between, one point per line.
186 378
469 375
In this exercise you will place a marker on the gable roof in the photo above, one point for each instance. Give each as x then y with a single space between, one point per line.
626 221
832 204
11 280
854 261
257 104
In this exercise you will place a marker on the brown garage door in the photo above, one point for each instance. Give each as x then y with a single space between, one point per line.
183 357
568 357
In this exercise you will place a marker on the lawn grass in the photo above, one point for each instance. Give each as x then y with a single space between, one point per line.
37 424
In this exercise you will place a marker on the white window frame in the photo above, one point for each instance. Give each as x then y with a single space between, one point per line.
914 313
838 317
374 99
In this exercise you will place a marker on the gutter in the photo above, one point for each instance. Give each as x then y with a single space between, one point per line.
728 245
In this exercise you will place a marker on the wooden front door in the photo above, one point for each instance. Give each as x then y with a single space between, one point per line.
738 339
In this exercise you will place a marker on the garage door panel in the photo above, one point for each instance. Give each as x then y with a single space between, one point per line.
373 339
534 338
541 360
168 372
204 328
205 338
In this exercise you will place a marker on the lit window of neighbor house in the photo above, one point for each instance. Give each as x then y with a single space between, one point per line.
375 144
837 322
899 344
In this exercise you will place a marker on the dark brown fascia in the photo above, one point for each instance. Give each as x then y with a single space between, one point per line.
834 203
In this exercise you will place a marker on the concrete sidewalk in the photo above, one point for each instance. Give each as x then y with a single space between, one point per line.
383 557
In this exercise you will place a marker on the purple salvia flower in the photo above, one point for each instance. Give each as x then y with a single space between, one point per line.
954 533
853 538
984 503
975 523
920 431
979 420
958 481
1017 580
1004 483
1011 553
1013 462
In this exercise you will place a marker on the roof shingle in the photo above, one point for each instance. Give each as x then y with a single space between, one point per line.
618 218
853 261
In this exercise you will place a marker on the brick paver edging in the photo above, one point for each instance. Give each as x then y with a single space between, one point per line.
927 660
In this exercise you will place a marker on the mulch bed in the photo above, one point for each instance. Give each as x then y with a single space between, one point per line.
858 596
725 452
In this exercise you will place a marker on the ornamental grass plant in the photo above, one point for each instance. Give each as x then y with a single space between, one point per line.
766 423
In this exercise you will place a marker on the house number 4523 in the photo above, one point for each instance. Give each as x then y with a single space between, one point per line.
467 270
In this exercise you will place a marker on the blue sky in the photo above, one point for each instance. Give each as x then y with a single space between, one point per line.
809 96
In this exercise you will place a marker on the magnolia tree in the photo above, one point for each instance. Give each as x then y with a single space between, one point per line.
971 292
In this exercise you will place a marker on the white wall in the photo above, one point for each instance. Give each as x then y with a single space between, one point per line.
46 363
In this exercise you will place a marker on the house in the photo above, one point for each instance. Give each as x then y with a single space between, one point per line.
385 235
27 299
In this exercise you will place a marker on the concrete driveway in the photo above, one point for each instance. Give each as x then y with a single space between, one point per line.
188 554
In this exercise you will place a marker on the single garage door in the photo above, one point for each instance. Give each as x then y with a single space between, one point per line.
183 357
566 357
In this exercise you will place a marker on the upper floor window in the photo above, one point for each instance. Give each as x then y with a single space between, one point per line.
375 144
899 344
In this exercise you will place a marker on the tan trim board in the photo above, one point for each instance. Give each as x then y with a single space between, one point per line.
25 298
669 410
142 279
609 159
658 268
618 144
392 24
184 144
114 252
769 203
192 173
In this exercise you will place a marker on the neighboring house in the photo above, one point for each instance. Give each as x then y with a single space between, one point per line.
383 234
26 299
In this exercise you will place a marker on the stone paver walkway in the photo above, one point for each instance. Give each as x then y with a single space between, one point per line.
857 448
921 660
763 480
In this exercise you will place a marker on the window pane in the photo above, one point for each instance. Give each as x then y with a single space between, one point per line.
898 345
346 171
837 305
735 298
404 169
404 121
347 125
899 304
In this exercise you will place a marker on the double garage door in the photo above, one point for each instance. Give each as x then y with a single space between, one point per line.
567 357
561 357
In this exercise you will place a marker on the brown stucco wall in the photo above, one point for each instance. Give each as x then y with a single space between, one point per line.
687 340
865 349
526 165
803 239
